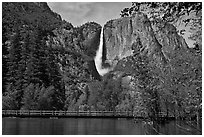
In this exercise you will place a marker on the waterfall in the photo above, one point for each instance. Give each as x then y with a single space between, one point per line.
98 59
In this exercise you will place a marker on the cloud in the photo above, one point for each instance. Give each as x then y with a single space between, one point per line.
72 12
78 13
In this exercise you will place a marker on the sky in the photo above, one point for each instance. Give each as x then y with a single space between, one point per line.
79 13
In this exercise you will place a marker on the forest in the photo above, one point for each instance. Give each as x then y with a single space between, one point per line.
47 64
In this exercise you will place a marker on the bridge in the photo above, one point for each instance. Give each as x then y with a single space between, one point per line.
75 114
63 114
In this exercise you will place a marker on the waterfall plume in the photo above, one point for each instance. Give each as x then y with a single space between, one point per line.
98 58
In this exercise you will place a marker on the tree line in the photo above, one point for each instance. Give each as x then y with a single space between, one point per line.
32 80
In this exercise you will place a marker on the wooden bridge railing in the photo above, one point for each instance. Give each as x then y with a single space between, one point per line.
46 113
65 113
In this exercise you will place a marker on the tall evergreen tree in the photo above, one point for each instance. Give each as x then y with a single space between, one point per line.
4 59
53 77
15 74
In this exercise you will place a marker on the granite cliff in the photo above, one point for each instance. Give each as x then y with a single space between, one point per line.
156 42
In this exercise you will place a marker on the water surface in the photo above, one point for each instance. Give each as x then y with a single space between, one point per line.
91 126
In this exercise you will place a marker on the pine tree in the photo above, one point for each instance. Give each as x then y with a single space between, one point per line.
53 77
24 57
33 72
4 59
14 74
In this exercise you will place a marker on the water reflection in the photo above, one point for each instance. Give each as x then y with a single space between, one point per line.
83 126
172 128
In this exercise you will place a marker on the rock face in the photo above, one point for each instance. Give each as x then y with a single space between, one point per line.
79 44
121 34
90 37
171 42
83 40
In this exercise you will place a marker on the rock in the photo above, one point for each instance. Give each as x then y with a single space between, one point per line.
170 40
90 37
121 35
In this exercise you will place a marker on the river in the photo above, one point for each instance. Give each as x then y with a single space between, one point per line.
93 126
